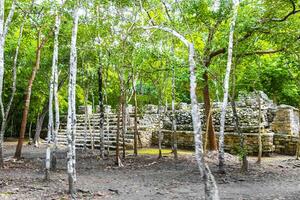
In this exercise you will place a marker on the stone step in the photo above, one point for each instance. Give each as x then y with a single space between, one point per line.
91 124
95 132
97 137
96 140
112 147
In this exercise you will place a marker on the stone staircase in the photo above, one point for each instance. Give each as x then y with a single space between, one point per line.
89 133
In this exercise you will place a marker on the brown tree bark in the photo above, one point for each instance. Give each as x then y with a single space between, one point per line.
211 142
28 97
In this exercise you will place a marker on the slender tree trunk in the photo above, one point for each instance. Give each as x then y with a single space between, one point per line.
259 130
3 33
134 80
28 97
118 160
124 125
211 189
55 85
86 116
71 122
39 126
160 138
108 135
10 17
123 109
174 133
226 89
40 122
29 134
50 128
107 114
8 107
101 106
4 25
245 164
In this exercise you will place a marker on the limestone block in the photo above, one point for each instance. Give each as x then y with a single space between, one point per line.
81 109
286 120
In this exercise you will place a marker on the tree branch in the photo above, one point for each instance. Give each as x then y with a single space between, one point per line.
9 17
261 52
174 33
294 11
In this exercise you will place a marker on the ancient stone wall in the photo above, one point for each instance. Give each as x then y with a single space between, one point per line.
280 125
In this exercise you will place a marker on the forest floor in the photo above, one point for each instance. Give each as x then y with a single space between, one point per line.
146 177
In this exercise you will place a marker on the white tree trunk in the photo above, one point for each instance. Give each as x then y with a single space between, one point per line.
4 120
107 114
4 25
55 84
136 132
1 57
71 121
226 87
107 134
50 126
85 119
9 18
259 130
101 108
174 134
160 136
211 189
52 130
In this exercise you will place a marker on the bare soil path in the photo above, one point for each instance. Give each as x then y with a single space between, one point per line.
146 178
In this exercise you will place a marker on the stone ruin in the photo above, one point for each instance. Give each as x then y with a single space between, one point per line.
280 126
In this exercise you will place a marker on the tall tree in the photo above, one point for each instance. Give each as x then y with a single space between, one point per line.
174 133
55 81
226 86
1 70
118 161
135 136
259 129
53 87
211 189
71 121
101 107
27 98
3 33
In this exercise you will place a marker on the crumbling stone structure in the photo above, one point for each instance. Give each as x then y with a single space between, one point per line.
279 126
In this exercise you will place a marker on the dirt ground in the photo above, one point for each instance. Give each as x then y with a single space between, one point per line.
146 178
